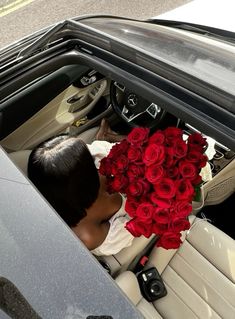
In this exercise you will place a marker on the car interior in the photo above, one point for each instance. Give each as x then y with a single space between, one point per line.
199 276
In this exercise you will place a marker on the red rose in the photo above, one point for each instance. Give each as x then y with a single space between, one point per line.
203 161
135 171
157 138
158 175
122 163
130 207
138 136
154 154
162 215
169 240
134 154
154 173
180 148
181 209
145 212
119 183
185 190
137 228
146 186
194 156
118 149
197 180
187 169
196 141
160 202
172 134
197 148
197 158
159 229
105 166
114 170
165 188
135 189
179 225
133 228
169 157
173 172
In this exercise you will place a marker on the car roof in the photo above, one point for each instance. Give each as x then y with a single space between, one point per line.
181 67
46 262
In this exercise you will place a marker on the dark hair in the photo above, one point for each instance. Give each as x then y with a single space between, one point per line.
63 170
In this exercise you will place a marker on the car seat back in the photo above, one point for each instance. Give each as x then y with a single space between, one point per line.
199 276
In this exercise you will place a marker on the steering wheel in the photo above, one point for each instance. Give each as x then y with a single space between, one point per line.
133 109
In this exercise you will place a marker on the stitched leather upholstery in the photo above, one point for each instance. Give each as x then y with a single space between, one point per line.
20 158
199 276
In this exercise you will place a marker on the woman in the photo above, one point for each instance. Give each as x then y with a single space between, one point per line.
64 169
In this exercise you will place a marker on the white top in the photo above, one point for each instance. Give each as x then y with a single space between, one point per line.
118 237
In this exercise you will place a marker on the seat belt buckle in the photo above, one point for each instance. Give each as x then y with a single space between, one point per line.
141 263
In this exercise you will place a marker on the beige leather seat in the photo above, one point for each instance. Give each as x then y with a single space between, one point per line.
199 277
20 158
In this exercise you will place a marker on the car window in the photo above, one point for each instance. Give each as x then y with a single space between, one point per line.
209 60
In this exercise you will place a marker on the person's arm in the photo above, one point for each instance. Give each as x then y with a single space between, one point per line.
92 236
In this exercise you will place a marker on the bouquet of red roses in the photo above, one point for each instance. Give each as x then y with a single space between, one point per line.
159 175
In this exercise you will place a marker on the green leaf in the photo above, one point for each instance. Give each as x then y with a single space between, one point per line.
198 193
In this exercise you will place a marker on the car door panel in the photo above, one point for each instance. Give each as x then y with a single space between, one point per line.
23 104
56 116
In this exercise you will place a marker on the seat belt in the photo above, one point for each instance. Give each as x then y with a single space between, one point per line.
141 259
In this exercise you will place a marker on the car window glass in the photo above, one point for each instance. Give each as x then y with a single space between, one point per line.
209 60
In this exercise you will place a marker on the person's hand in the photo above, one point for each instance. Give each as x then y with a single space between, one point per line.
105 133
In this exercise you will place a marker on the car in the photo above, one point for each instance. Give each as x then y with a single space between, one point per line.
65 79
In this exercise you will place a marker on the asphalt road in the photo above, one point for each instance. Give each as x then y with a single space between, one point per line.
19 18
